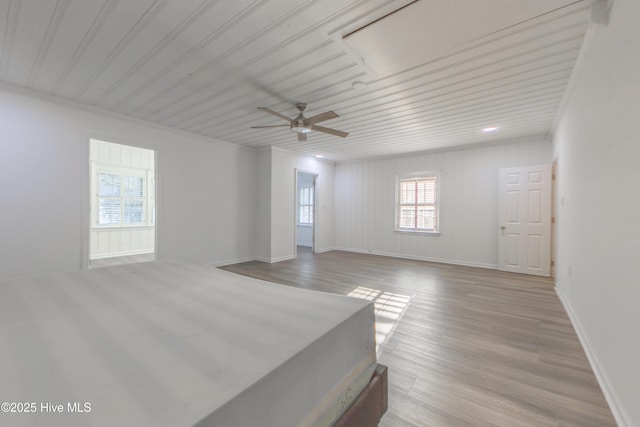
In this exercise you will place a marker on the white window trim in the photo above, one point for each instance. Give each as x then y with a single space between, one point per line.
145 174
415 175
310 205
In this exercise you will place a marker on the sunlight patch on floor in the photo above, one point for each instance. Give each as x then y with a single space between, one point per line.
389 308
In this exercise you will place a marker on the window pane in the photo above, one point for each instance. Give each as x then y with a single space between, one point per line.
109 211
108 185
426 191
306 205
304 215
426 217
132 211
407 192
306 196
133 187
407 217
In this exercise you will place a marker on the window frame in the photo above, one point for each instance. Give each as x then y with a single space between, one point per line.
122 172
416 176
309 205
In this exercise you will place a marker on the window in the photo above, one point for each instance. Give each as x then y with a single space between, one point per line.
121 198
417 208
306 206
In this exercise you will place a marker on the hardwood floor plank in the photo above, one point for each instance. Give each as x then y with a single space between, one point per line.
464 346
119 260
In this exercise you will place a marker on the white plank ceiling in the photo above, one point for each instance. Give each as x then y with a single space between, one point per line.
436 72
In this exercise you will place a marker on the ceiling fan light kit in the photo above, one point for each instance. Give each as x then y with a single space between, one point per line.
302 125
300 128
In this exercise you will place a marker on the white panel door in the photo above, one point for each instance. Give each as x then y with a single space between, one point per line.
525 220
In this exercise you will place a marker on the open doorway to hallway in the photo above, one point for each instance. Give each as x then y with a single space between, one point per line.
305 210
123 208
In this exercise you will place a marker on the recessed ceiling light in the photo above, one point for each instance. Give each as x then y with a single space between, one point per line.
319 156
490 129
358 84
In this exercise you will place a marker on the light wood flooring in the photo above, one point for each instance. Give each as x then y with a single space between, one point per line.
464 346
119 260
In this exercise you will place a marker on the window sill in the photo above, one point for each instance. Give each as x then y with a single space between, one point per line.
305 225
417 233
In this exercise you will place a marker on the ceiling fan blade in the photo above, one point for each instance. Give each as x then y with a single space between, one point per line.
330 131
302 136
322 117
275 113
270 126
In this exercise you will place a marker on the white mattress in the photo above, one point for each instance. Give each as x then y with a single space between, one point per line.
175 344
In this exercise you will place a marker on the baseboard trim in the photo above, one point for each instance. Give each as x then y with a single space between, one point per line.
361 251
421 258
234 261
259 258
323 250
605 385
282 258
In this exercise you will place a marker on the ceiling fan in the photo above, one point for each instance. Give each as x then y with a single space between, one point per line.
303 126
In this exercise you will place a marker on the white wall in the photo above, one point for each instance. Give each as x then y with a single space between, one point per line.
206 190
598 145
123 241
263 221
304 236
365 203
281 232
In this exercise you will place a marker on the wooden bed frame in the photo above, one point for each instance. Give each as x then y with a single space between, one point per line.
370 405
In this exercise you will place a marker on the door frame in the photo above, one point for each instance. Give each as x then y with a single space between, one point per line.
296 197
88 196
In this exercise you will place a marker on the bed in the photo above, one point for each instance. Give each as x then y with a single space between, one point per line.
169 343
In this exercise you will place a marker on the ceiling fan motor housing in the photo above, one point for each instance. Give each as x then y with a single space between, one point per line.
300 123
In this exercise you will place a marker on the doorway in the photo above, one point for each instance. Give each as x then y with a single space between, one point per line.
123 209
306 197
